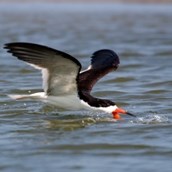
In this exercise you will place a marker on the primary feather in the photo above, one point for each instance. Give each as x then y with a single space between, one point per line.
59 70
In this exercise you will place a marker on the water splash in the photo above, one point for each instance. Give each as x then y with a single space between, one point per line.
151 119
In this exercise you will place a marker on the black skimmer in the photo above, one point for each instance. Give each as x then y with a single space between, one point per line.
64 84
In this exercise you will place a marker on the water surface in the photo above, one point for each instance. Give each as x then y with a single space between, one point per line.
36 137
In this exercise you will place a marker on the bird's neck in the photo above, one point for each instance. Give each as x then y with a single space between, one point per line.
94 102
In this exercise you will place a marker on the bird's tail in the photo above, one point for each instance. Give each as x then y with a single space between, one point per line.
39 95
19 97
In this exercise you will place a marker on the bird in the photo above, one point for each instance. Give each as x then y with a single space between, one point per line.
64 84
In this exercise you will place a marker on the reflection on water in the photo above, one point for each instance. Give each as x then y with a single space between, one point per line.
35 137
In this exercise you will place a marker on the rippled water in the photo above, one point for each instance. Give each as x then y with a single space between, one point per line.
36 137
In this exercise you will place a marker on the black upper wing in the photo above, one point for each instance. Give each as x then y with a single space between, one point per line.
102 62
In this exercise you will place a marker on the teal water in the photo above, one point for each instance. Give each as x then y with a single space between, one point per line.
36 137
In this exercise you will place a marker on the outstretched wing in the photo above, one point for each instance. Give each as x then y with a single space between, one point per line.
102 62
60 70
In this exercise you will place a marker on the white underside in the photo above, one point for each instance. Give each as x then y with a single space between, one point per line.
67 102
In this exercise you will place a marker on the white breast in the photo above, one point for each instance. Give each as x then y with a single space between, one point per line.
69 102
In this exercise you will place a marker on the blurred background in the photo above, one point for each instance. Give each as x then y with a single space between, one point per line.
90 1
37 137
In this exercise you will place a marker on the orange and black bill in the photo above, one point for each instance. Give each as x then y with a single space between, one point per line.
118 111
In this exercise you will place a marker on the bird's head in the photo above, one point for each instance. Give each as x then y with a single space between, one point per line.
116 113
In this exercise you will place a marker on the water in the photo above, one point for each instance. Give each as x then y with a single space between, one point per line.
36 137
